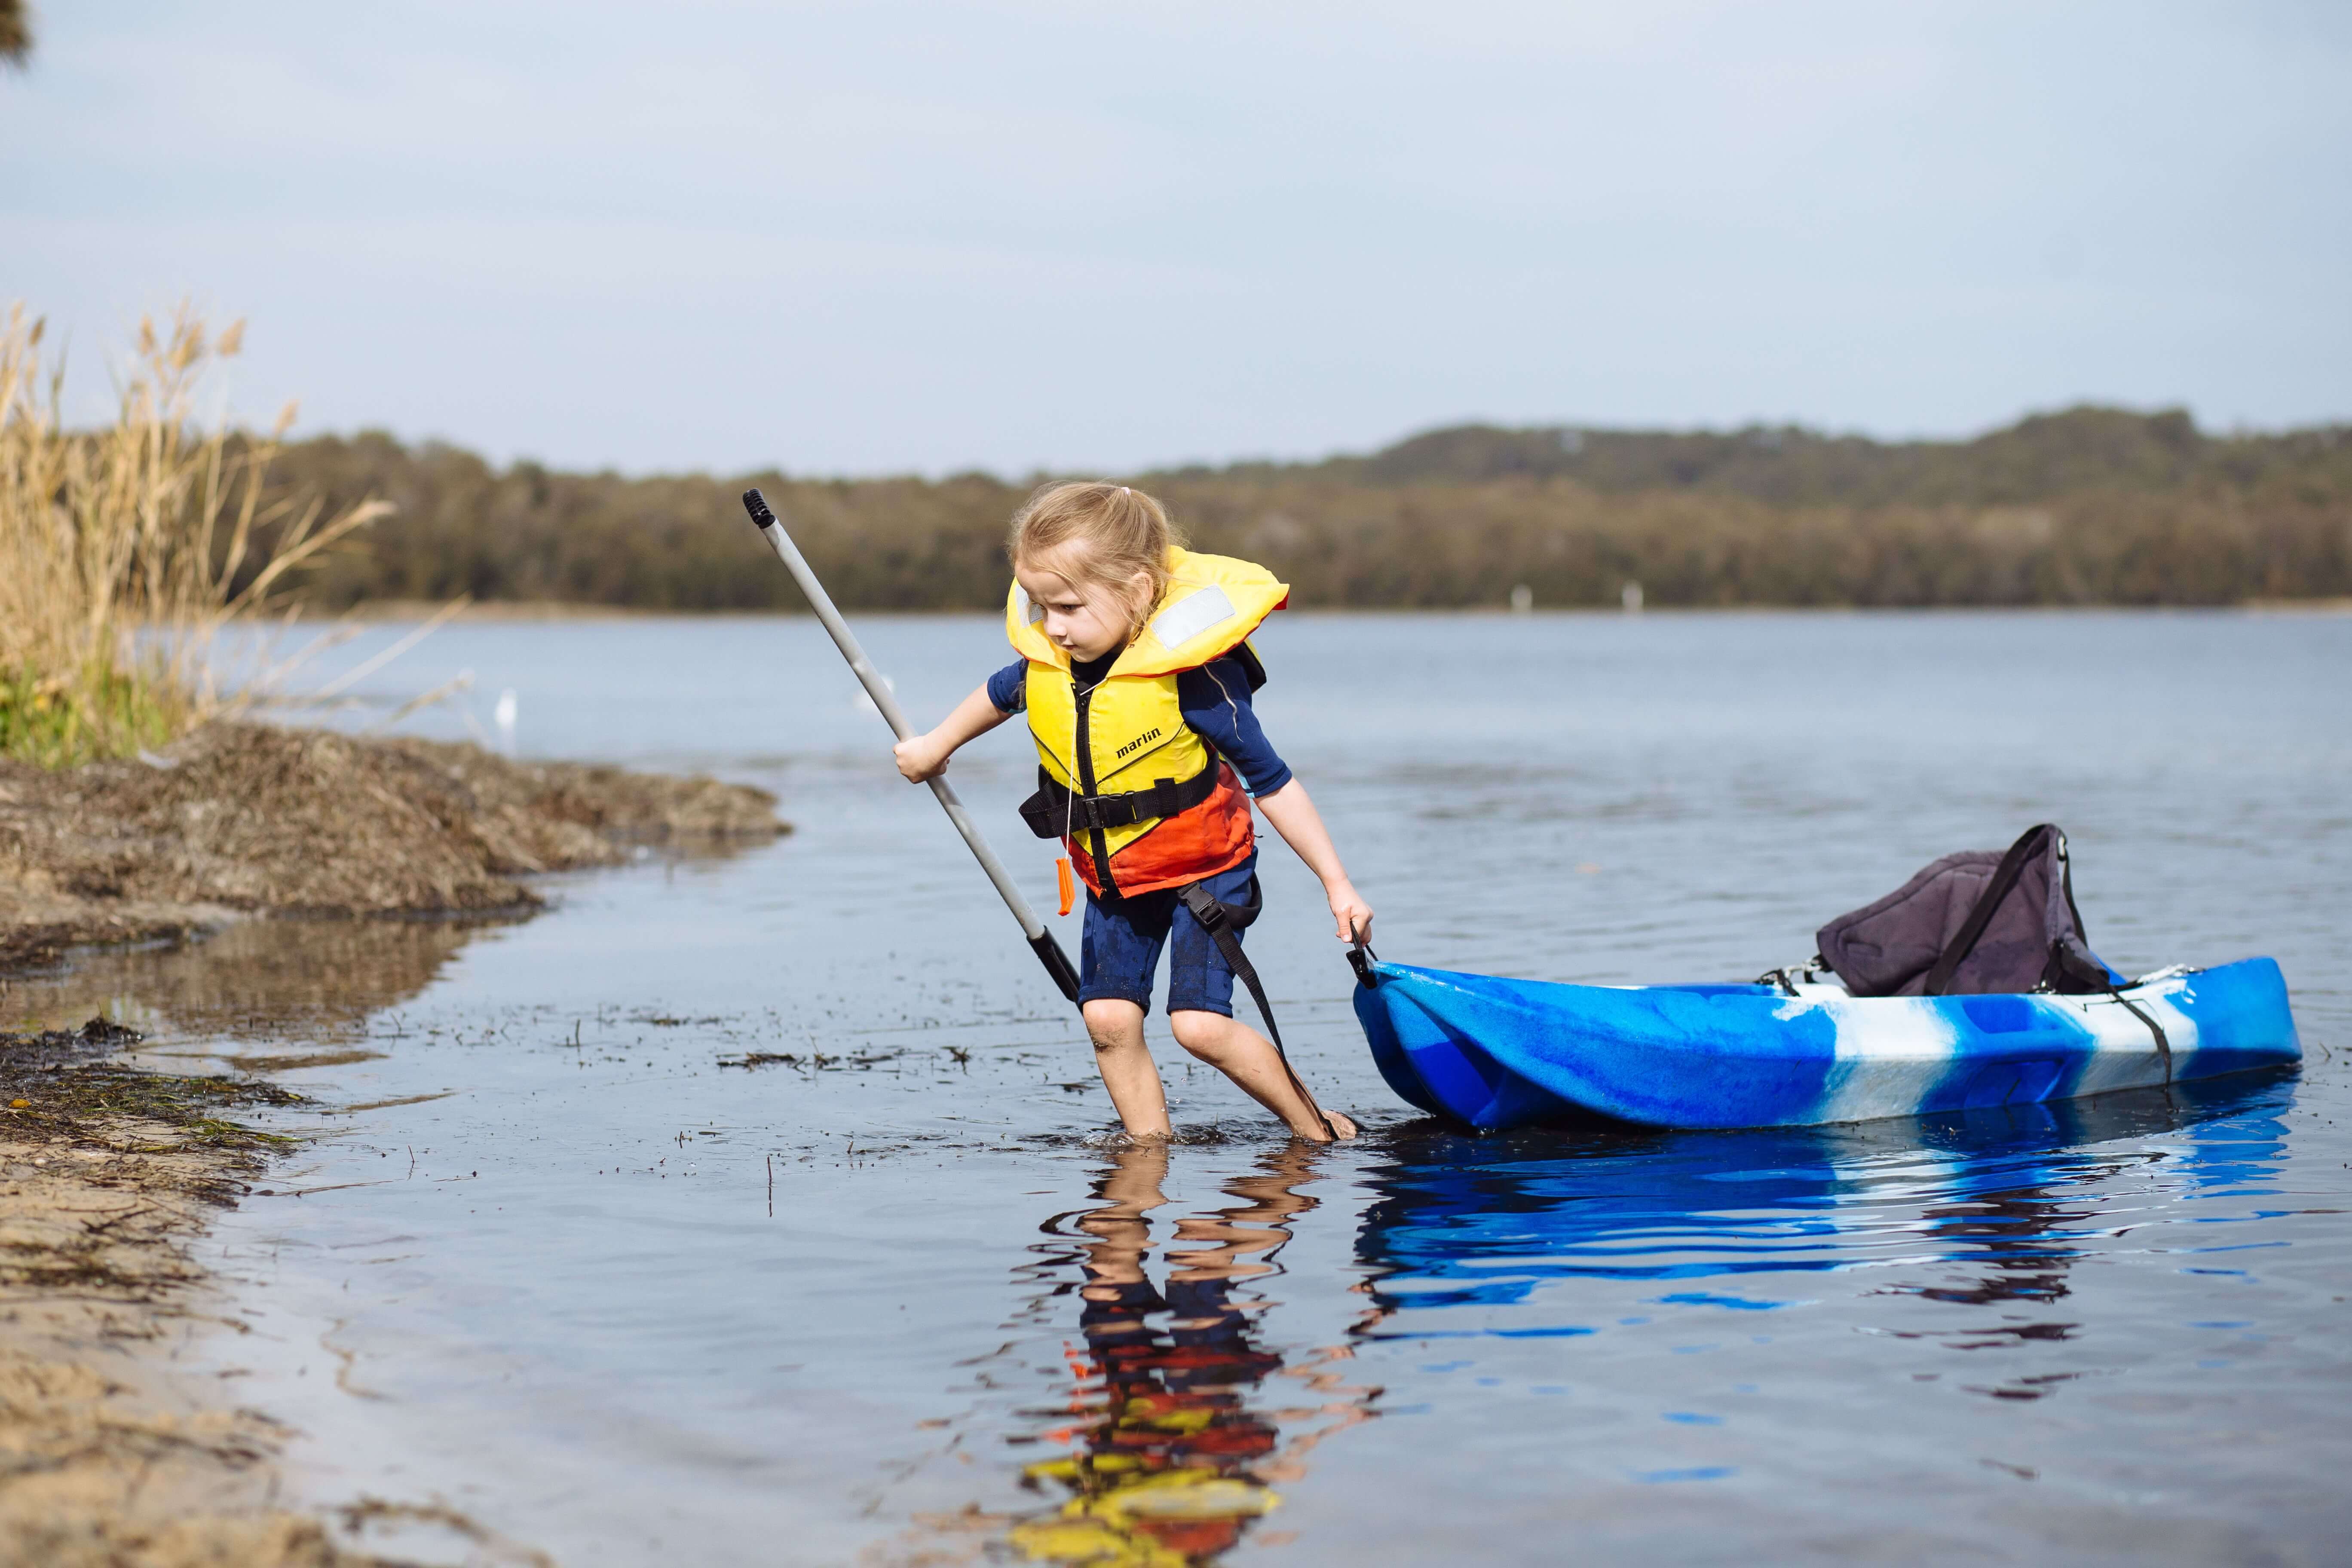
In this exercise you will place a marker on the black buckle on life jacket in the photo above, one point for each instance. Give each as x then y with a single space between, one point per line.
1053 810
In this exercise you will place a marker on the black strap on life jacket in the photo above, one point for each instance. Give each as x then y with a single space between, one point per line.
1055 810
1221 920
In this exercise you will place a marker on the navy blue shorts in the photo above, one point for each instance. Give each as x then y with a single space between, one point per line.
1121 947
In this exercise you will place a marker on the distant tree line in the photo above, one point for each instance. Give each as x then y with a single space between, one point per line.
2091 506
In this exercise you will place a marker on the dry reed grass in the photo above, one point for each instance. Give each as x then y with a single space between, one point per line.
125 551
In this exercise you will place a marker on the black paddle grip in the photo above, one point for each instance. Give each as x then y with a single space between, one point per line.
1057 963
756 505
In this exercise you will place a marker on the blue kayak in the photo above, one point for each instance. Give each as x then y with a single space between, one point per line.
1501 1053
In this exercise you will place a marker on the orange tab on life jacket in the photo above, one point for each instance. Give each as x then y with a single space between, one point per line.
1066 883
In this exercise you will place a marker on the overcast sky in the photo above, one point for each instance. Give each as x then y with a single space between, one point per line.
858 237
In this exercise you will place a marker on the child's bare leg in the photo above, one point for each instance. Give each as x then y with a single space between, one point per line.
1116 1028
1249 1058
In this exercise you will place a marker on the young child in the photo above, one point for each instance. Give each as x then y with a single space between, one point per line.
1137 674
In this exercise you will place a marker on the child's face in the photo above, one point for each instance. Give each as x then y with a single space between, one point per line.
1084 618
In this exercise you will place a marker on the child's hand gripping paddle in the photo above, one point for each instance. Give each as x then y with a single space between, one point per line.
1041 940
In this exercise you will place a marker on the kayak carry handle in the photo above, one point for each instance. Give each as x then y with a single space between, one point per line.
1360 958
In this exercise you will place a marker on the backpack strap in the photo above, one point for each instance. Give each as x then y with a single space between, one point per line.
1973 930
2074 969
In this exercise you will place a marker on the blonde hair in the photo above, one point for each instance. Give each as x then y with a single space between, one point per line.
1121 532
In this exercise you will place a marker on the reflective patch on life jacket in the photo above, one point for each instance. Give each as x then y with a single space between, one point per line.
1024 607
1190 616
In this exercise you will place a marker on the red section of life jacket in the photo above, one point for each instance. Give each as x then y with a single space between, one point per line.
1213 837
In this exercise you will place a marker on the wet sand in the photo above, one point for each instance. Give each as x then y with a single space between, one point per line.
112 1453
111 1456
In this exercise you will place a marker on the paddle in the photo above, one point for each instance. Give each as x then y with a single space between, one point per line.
1041 940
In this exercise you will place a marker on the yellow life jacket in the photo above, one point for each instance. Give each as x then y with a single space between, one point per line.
1143 801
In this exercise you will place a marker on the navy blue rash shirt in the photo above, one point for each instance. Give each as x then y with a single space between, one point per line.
1215 700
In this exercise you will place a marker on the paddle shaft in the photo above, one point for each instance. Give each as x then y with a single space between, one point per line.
1041 940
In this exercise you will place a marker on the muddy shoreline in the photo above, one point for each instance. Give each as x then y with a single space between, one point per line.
110 1455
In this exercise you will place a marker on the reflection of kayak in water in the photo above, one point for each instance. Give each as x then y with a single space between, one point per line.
1467 1235
1500 1053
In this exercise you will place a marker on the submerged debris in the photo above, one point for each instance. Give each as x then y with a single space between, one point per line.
815 1060
61 1048
58 1091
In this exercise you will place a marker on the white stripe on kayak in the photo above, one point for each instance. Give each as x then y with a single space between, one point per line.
1890 1051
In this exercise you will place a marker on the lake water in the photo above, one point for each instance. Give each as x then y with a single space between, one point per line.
557 1265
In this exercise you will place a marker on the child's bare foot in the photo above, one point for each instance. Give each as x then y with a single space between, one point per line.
1340 1126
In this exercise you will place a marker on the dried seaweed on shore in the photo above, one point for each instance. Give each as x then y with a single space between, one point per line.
246 818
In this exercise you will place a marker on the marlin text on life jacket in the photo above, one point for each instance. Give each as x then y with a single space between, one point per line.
1150 734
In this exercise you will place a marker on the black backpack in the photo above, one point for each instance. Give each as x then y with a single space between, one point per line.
1970 923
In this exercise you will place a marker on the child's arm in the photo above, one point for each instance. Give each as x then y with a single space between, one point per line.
1301 826
925 756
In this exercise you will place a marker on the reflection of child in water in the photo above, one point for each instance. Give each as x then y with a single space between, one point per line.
1175 1463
